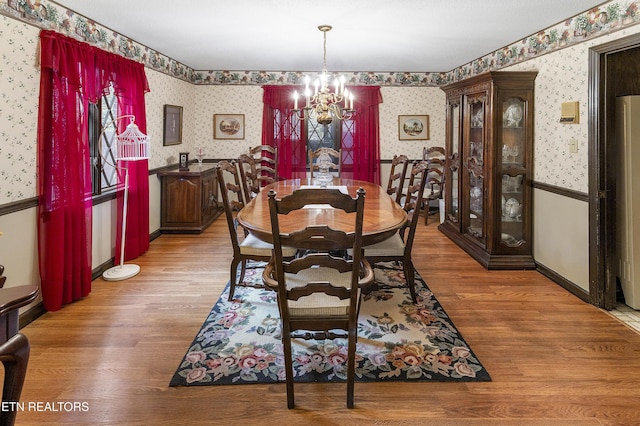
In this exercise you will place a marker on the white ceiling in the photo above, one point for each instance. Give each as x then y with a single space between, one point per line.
371 35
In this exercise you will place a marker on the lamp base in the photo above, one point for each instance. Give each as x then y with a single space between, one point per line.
121 272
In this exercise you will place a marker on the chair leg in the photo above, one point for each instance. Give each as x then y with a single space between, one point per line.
426 213
288 365
409 275
351 365
14 355
243 269
232 277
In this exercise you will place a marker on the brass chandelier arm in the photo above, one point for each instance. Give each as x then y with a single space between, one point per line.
325 104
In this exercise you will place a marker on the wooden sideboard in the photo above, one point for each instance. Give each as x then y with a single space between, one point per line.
189 199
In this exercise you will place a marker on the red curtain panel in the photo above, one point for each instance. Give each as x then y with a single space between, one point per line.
360 144
72 74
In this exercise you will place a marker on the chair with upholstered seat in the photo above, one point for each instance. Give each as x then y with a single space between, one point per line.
250 247
318 294
397 174
397 248
266 158
313 156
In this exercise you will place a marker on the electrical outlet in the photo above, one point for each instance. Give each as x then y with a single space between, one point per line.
573 145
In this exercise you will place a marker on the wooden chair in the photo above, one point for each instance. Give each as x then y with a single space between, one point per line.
250 247
266 158
397 248
396 178
433 152
248 176
434 175
318 294
313 155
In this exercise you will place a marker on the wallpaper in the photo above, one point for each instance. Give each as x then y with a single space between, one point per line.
563 77
410 101
603 19
210 100
213 99
166 90
19 88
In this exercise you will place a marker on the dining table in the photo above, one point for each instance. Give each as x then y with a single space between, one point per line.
382 215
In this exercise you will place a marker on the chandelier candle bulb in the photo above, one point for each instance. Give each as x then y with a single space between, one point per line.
326 102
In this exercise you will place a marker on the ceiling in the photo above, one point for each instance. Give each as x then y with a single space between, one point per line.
371 35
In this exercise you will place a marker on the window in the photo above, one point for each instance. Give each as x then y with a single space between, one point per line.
323 136
102 115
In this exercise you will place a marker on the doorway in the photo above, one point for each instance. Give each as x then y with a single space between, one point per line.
614 70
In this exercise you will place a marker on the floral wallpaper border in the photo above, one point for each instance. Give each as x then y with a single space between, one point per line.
598 21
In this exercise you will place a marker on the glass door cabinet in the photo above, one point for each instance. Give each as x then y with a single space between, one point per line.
488 172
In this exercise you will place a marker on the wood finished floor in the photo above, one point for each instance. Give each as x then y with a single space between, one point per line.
553 358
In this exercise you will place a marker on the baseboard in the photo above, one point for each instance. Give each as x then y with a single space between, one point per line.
97 272
37 310
563 282
31 314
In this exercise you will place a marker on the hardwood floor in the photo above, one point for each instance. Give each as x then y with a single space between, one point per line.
553 358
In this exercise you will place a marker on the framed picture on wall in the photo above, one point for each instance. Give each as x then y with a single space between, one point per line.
413 127
172 134
228 126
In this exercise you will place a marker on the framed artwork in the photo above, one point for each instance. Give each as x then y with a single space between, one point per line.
228 126
172 134
413 127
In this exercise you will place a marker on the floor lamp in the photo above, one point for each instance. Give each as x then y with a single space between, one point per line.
131 144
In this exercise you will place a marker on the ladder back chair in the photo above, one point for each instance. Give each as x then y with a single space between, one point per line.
396 248
435 157
318 294
248 176
397 175
250 247
433 152
266 158
434 175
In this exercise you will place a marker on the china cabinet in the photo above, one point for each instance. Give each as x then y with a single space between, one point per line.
189 199
488 170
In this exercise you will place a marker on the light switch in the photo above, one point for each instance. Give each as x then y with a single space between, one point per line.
573 145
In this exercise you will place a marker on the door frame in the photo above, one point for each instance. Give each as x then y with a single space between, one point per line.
602 173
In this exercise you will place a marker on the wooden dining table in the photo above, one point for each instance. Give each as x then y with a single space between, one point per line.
382 215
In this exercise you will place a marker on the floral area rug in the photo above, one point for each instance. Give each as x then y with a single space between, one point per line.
240 341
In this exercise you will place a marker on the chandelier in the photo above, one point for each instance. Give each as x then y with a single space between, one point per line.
325 103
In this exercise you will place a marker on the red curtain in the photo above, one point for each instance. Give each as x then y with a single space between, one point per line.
72 74
360 151
283 130
360 145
